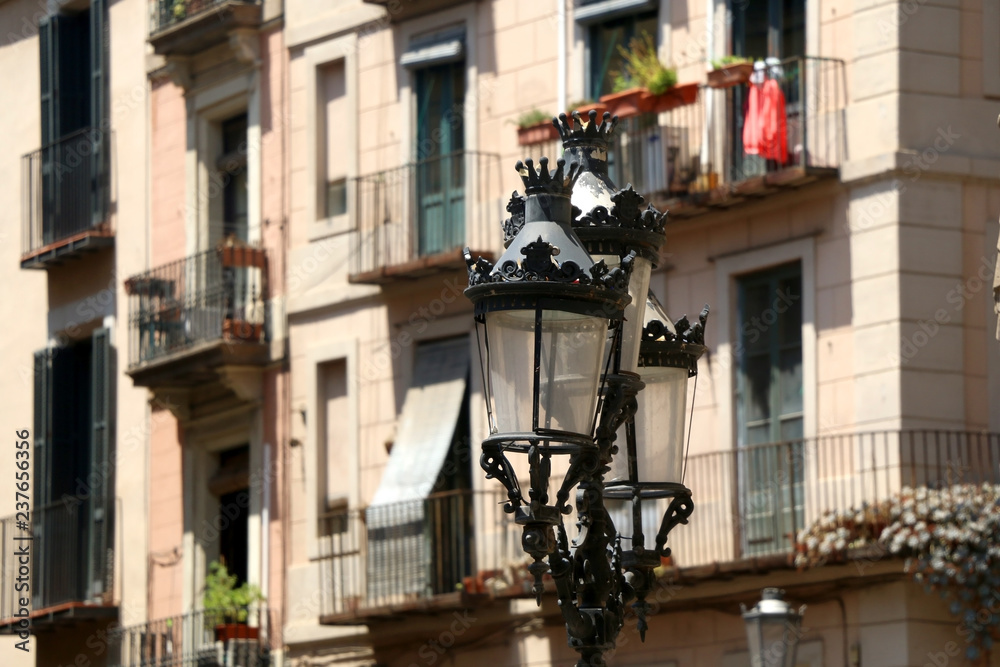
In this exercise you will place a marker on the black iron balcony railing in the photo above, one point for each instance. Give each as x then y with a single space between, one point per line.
749 502
703 151
753 501
414 218
240 638
698 154
67 560
66 192
168 13
392 555
216 295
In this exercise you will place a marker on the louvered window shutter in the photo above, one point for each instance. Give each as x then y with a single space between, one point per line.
102 493
43 454
48 59
99 113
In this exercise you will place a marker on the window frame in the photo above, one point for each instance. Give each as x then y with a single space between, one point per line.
727 269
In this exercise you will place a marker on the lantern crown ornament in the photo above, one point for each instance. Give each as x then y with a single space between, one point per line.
575 131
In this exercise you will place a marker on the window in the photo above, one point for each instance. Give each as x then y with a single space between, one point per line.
334 413
333 95
231 484
770 356
74 470
232 165
769 28
440 169
770 406
74 105
605 58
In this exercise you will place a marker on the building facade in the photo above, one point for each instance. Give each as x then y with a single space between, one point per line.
241 336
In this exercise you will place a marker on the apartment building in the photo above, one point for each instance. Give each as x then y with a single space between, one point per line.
74 166
241 334
144 178
849 335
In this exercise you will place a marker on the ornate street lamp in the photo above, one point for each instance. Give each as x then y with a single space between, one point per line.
560 325
773 630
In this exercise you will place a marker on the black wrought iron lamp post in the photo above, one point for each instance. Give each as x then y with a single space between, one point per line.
565 355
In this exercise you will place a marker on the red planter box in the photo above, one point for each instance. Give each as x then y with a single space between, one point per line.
627 103
536 134
730 75
677 96
596 106
225 632
241 256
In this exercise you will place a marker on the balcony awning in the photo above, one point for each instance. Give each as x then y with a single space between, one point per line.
427 422
399 549
447 47
605 10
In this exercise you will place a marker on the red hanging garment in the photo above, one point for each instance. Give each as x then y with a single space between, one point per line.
774 125
753 122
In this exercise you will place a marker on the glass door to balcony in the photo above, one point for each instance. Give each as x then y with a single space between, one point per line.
769 407
440 182
764 29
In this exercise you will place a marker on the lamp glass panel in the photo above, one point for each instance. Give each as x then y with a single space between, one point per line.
638 288
653 510
571 354
659 428
776 641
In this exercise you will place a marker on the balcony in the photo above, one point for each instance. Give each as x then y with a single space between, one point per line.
72 565
692 159
65 207
197 639
187 27
457 550
190 319
414 220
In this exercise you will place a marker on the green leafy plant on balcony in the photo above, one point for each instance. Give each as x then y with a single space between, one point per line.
642 67
725 61
178 10
532 118
223 601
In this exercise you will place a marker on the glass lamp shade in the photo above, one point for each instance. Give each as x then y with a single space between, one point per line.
659 430
638 288
622 514
565 348
773 631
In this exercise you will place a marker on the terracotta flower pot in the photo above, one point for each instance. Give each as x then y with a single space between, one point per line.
730 75
225 632
677 96
241 330
241 256
536 134
627 103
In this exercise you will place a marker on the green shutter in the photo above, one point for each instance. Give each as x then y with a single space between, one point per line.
48 61
102 462
99 107
43 425
43 442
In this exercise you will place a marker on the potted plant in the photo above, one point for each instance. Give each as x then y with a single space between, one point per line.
642 80
227 606
730 71
535 127
235 253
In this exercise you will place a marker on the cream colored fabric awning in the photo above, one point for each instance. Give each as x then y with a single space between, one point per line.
427 423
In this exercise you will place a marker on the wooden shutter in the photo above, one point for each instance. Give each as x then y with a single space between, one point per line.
48 60
102 461
99 118
43 447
